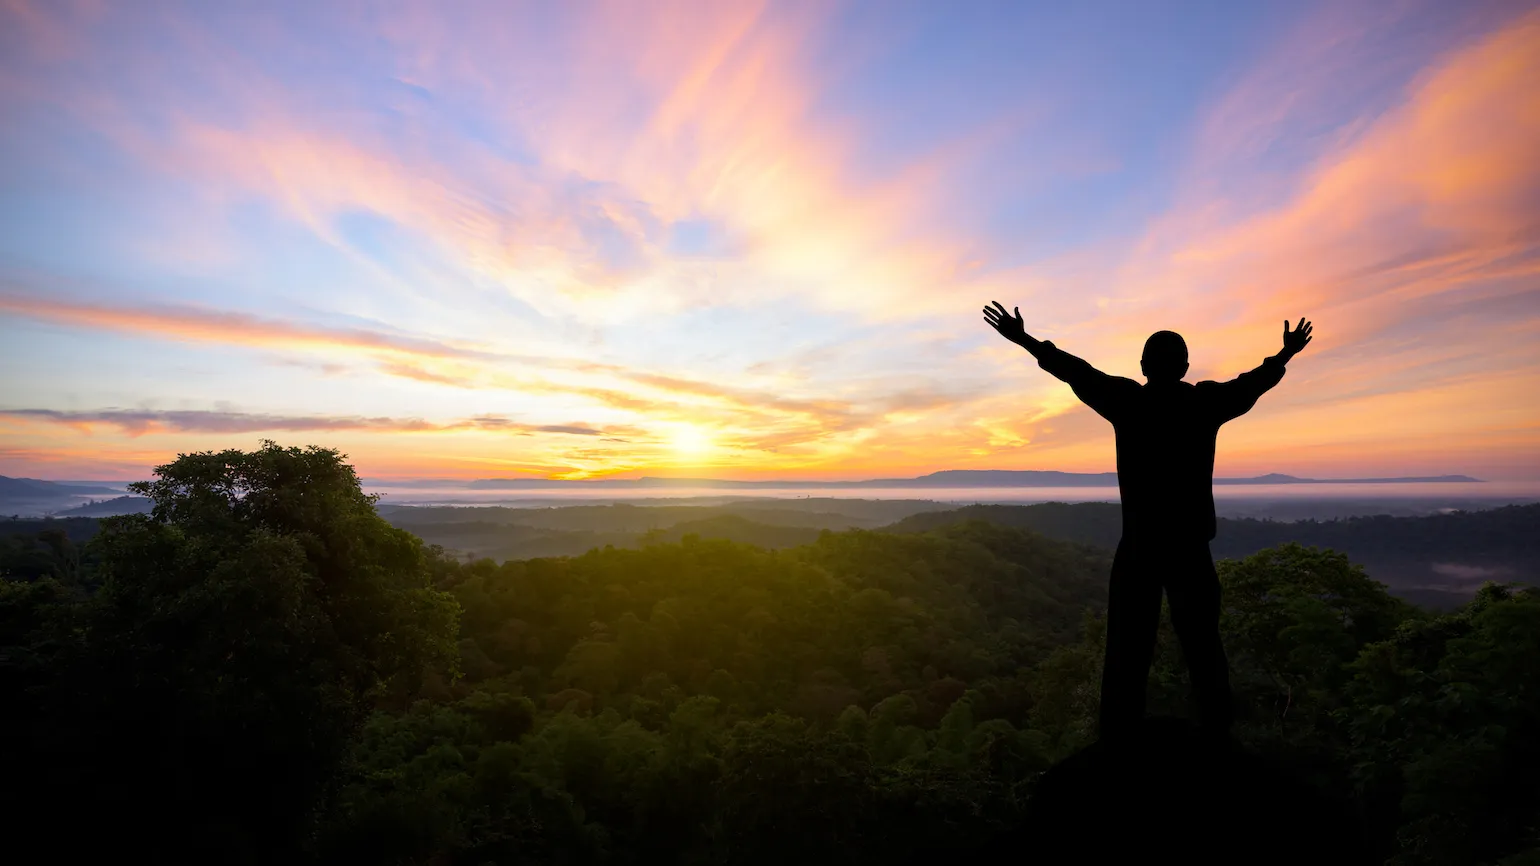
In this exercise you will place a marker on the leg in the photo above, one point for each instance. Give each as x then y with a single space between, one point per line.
1133 615
1193 588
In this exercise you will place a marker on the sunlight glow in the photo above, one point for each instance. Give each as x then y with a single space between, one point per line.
691 441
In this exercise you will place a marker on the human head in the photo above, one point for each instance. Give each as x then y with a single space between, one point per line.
1165 357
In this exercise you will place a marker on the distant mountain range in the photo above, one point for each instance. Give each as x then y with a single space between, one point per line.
19 487
31 496
951 478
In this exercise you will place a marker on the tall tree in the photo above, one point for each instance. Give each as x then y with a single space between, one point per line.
200 706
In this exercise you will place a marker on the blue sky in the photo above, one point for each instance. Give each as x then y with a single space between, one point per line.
753 239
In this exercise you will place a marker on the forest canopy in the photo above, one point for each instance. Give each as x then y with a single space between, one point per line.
263 670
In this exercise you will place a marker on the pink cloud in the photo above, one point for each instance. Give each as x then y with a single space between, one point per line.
138 422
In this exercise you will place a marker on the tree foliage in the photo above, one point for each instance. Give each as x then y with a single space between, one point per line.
197 694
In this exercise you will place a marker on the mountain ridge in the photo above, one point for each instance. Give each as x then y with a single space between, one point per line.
16 487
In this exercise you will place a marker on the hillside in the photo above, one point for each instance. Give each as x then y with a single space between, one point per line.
1095 523
107 507
823 512
1437 560
522 533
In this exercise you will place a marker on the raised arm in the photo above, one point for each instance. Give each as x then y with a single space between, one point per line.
1095 388
1237 396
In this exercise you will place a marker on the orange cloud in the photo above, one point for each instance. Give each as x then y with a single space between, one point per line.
1434 185
1441 194
406 356
1414 244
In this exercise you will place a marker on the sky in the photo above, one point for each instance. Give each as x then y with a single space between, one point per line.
752 240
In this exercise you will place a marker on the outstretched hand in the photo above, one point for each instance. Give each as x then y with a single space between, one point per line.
1296 340
1010 326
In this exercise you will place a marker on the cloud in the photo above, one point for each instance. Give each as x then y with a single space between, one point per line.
1413 241
206 325
670 113
411 357
419 373
138 422
1429 213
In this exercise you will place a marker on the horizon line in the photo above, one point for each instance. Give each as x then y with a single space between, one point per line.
963 477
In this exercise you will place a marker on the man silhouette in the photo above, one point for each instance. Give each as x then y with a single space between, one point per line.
1166 430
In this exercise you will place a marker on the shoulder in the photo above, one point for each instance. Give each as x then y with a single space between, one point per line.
1209 391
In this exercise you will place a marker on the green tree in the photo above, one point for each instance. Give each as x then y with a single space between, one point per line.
202 704
1443 724
790 793
1293 619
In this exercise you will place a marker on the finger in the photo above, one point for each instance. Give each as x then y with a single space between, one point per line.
1285 326
1308 339
1301 323
1001 307
1018 312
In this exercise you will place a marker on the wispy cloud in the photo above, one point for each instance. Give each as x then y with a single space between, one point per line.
1435 200
138 422
404 355
207 325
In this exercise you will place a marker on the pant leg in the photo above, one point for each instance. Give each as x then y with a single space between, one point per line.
1193 589
1133 615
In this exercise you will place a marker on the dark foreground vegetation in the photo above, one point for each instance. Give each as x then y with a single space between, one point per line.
264 670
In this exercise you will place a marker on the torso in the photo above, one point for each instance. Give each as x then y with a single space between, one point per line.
1165 444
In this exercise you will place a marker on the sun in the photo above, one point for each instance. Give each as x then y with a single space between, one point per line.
690 439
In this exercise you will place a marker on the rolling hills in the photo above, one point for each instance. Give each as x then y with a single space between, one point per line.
1437 560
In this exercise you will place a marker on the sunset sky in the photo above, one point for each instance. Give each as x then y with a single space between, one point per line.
752 240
